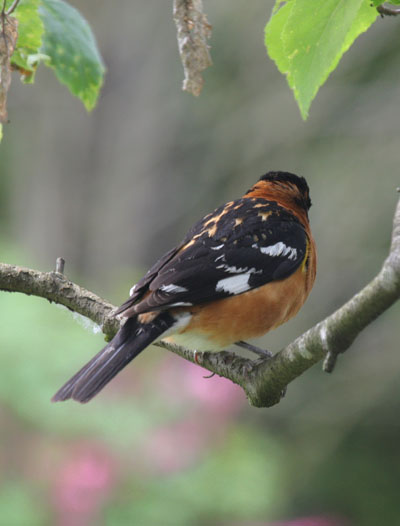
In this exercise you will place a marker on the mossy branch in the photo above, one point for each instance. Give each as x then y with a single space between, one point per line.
263 380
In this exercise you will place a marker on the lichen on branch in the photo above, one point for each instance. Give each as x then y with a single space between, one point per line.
193 31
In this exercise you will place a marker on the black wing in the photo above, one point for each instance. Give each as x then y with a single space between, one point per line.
142 286
239 247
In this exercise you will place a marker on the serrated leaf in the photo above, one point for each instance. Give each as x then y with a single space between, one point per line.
30 31
71 46
307 38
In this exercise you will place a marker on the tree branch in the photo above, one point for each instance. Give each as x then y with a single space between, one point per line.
8 41
193 31
12 7
56 288
263 380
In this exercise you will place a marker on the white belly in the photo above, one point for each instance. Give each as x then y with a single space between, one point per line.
193 341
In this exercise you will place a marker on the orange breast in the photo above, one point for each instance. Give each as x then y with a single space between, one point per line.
252 313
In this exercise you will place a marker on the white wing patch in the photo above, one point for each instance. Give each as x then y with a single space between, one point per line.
234 285
238 270
131 292
279 249
217 247
173 289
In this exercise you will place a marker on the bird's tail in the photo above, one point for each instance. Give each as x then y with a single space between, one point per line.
129 341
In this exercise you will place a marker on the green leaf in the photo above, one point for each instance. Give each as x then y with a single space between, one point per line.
71 46
307 38
273 36
30 30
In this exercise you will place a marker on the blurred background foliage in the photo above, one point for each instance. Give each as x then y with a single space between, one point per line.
110 192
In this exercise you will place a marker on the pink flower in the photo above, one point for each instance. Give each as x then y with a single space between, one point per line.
176 447
82 484
183 381
216 394
207 407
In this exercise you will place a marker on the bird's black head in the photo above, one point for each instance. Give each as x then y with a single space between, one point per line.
291 182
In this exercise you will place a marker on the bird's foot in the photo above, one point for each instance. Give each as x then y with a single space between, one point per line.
197 356
264 353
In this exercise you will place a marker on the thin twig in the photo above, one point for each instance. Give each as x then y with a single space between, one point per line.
12 7
329 362
8 40
60 264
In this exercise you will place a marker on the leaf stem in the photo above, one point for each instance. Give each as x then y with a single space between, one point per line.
12 7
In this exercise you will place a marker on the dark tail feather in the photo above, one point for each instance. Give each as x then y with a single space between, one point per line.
129 341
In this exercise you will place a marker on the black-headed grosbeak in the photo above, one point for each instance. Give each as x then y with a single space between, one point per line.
241 271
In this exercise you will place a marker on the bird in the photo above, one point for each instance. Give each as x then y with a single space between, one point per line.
241 271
